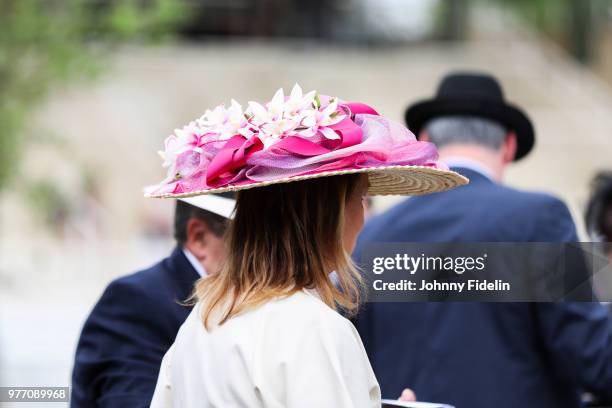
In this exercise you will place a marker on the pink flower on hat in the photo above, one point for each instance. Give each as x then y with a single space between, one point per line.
319 120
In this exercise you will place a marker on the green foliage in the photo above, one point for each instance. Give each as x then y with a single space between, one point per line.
571 23
46 42
547 16
128 19
48 202
450 19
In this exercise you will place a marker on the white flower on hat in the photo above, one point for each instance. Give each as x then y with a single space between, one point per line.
299 114
298 103
186 138
318 120
224 122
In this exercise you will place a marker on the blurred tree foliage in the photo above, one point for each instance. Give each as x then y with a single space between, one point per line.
46 42
451 19
572 23
48 203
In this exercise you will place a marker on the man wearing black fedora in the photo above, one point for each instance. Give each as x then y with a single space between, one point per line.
482 355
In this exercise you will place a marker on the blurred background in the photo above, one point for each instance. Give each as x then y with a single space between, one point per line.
89 89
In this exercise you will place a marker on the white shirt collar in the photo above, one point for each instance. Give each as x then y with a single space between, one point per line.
458 161
195 263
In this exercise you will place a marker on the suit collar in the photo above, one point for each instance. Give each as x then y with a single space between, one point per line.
182 271
193 261
467 163
473 175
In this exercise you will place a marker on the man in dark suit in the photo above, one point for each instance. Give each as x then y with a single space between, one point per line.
138 316
483 355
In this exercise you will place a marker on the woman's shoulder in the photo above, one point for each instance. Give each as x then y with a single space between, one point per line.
293 315
302 327
303 302
304 310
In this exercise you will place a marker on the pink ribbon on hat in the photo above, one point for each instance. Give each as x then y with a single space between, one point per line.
350 134
234 154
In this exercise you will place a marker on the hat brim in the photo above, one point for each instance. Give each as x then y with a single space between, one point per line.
383 180
213 203
510 116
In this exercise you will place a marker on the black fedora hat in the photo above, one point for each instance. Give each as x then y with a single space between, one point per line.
473 94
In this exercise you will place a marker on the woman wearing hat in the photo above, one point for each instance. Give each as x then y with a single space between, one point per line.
265 331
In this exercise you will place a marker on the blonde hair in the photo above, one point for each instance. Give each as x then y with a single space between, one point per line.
284 238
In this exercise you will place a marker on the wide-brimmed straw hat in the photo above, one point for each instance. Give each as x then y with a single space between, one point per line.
299 137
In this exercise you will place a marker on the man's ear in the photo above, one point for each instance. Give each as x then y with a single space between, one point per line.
509 148
197 233
424 136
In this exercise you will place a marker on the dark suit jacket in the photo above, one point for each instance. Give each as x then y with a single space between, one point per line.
127 334
483 355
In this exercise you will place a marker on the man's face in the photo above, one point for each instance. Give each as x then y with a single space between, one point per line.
215 253
205 244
